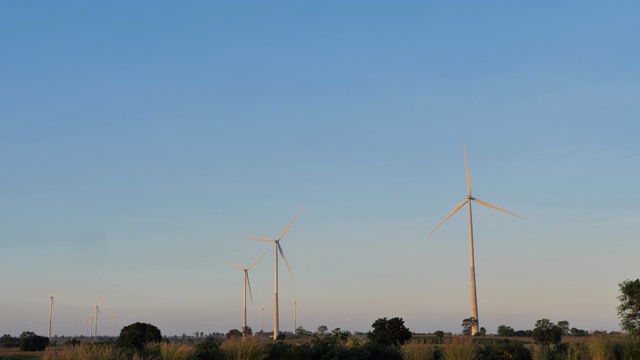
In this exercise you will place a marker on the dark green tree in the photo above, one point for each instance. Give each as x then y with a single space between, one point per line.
208 349
546 332
247 331
322 329
233 333
389 332
629 308
504 330
137 335
468 324
8 341
564 326
29 341
439 335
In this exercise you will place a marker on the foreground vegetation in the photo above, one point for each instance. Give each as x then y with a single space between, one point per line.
339 345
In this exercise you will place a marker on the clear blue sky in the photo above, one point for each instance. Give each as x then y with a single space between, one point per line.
141 140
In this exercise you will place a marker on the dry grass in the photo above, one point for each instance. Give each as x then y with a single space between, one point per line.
460 348
175 351
85 352
417 351
249 348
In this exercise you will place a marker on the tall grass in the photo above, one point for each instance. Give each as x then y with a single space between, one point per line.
86 352
248 348
175 351
541 352
575 352
460 348
600 347
417 351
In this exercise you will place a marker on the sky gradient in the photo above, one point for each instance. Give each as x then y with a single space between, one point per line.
142 140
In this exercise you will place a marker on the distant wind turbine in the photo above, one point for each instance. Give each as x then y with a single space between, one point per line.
468 199
51 296
114 325
244 293
278 248
295 315
261 318
95 333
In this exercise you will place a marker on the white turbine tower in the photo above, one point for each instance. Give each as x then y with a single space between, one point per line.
278 248
113 318
261 318
295 315
467 201
90 325
51 296
95 332
244 292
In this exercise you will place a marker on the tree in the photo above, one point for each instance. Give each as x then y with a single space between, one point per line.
483 331
439 335
564 326
246 331
29 341
7 341
507 331
468 325
137 335
322 329
546 332
629 308
389 332
233 333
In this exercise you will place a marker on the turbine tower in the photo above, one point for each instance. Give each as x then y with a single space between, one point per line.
244 293
113 318
95 332
261 318
51 296
278 248
467 201
295 314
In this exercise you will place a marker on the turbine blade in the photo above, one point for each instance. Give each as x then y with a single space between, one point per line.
252 265
246 274
466 166
234 264
450 215
291 223
496 208
260 239
285 261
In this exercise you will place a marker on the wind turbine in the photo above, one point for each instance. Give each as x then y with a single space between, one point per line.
51 296
244 293
278 248
90 325
295 314
467 201
114 325
261 318
95 333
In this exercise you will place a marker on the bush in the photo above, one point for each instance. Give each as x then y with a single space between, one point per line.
32 342
208 349
389 332
137 335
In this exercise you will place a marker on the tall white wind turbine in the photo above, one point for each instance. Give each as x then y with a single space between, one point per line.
278 248
51 296
244 292
467 201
